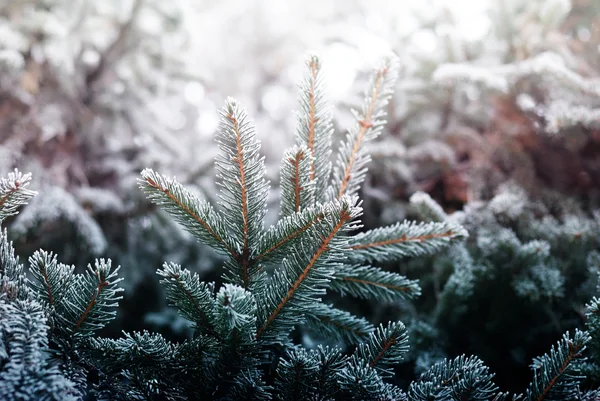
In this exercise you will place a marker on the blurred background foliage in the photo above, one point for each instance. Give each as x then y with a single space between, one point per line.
496 116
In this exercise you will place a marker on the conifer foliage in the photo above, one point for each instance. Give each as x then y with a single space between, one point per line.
276 277
273 282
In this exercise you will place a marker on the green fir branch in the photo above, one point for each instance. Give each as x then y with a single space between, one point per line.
368 282
241 175
385 347
14 193
339 325
360 382
197 216
315 127
428 209
26 371
90 301
461 378
193 299
593 326
297 375
235 315
51 279
556 375
297 187
289 233
12 276
402 240
306 273
350 168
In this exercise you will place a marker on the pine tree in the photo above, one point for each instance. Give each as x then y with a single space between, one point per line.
276 276
523 261
273 282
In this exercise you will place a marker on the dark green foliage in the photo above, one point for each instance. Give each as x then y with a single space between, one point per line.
14 193
241 175
402 240
192 297
385 348
527 260
297 376
368 282
305 274
556 374
297 187
247 322
335 324
26 371
593 325
242 345
463 378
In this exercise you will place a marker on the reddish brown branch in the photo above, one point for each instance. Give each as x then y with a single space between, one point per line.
572 354
365 124
240 160
189 211
323 248
403 238
386 346
90 305
288 238
374 283
312 119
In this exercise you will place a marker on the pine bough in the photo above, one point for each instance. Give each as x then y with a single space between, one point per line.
273 282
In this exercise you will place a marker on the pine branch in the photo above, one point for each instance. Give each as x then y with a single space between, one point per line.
556 375
197 216
244 189
339 325
296 376
288 233
305 273
12 276
361 382
462 378
401 240
51 279
331 361
237 364
350 168
136 350
315 127
368 282
24 325
393 393
386 346
193 298
14 193
593 326
310 374
427 208
151 366
25 371
235 315
198 360
297 187
90 296
250 387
